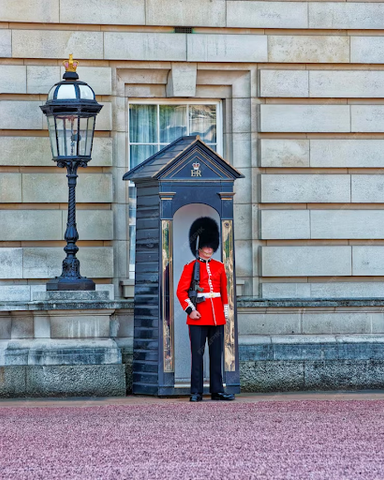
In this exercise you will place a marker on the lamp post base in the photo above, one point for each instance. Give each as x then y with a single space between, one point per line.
63 283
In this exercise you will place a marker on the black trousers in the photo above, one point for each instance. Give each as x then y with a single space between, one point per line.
198 335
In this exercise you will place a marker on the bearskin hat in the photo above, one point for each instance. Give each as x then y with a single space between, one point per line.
208 232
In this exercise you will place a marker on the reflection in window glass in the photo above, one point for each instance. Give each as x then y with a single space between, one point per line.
202 121
139 153
173 122
153 126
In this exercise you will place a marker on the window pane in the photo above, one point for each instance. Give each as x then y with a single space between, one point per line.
66 91
173 122
139 153
61 137
91 127
202 121
51 92
52 134
86 92
143 123
66 127
86 133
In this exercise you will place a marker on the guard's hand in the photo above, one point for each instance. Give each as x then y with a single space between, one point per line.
195 315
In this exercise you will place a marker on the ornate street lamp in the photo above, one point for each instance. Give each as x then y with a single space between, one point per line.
71 110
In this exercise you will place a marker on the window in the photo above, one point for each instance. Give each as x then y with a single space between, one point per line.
153 125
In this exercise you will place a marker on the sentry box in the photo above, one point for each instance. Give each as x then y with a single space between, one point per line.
178 184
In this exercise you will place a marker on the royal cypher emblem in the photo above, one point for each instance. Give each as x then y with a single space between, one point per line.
196 172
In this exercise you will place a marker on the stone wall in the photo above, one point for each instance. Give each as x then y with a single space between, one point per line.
301 85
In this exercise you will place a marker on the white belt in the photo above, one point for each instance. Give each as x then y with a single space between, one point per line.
209 294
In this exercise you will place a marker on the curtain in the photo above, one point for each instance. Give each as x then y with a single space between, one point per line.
142 129
143 124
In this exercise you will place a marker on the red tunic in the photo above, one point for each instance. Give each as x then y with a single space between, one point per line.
212 280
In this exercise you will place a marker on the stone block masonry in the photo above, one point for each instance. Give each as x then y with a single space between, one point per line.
301 114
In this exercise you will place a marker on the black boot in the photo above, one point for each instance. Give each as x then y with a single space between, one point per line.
223 396
196 397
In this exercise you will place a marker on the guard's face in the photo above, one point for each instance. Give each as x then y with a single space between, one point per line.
205 252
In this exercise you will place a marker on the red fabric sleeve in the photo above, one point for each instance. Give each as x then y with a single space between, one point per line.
184 284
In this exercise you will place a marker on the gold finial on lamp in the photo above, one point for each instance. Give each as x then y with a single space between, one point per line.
70 65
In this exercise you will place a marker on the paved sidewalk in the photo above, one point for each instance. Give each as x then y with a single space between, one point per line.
142 399
276 436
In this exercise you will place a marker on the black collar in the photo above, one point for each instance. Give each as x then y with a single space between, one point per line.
203 260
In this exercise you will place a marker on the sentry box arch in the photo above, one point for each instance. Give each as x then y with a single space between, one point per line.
181 182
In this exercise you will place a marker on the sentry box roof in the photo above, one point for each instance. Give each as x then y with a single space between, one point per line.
187 158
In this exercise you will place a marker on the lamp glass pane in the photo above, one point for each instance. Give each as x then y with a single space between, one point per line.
66 91
52 135
90 133
86 92
86 135
66 127
51 92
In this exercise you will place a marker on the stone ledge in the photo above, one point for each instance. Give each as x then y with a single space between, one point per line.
251 302
336 350
242 303
22 293
68 305
309 339
59 352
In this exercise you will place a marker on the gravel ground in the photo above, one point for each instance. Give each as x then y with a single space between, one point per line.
209 440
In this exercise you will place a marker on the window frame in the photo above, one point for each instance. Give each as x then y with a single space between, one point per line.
177 101
131 185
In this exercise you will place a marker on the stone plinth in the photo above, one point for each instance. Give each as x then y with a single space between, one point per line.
65 344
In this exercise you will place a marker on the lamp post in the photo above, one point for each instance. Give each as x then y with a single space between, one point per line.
71 110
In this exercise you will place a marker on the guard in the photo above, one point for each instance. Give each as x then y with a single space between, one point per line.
202 293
